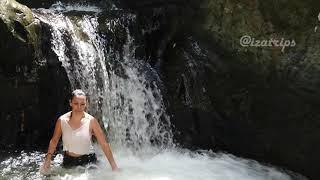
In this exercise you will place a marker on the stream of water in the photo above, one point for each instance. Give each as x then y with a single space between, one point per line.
124 93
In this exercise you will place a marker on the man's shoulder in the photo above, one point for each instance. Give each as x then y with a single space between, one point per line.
89 116
65 116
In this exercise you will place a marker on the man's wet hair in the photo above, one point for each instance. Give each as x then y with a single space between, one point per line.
77 92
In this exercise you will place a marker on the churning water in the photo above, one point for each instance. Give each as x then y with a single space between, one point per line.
124 94
148 164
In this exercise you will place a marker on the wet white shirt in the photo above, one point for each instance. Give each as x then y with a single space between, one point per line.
77 140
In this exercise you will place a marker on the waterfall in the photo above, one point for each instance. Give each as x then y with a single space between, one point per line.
119 90
124 94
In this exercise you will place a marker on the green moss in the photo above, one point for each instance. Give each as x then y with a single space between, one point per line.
226 21
12 12
78 29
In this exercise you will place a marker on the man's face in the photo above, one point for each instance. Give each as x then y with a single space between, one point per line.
78 103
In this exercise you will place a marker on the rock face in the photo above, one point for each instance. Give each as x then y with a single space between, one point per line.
252 101
256 102
29 86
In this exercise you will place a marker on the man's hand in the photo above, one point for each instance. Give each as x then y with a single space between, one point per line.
115 169
45 168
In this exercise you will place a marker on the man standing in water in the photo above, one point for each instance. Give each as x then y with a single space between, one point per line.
76 128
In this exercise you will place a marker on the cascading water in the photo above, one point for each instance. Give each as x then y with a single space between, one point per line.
127 102
124 93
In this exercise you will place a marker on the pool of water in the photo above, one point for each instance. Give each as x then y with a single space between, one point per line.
146 164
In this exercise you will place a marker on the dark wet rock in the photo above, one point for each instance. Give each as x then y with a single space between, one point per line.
255 102
33 92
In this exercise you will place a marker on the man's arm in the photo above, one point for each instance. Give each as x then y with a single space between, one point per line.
98 133
53 143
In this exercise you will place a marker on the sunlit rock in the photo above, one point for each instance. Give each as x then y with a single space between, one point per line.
19 20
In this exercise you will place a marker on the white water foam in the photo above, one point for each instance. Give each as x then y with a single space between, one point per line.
171 164
132 107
